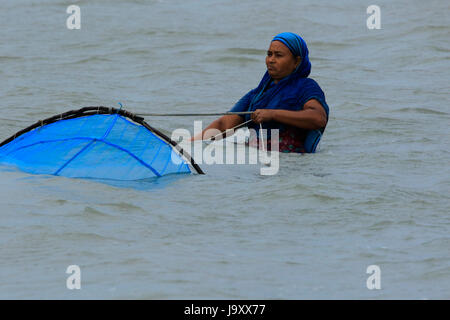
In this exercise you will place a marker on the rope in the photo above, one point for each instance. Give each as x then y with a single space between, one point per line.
261 136
263 155
235 127
193 114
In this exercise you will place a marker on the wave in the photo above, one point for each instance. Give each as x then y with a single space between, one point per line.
423 111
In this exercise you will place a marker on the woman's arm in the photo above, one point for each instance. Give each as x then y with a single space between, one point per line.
221 124
313 116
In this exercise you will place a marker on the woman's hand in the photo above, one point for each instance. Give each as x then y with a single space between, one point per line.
311 117
263 115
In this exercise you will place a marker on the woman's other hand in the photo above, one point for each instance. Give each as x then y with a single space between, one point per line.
263 115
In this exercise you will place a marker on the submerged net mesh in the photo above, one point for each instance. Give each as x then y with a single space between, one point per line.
96 142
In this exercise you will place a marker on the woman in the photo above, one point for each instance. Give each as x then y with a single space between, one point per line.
285 99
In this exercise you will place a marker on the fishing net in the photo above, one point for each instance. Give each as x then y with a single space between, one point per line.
98 143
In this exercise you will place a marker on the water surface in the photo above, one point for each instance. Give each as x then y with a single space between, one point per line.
377 193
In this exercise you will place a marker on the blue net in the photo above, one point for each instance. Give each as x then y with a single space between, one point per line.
99 146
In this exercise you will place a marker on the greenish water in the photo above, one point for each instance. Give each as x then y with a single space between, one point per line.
377 193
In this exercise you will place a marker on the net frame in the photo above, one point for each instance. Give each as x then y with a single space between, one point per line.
93 110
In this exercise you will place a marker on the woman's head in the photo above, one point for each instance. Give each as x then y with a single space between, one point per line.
287 53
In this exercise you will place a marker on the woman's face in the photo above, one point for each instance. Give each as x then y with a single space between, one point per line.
280 61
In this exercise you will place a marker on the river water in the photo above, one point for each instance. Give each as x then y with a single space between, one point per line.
377 192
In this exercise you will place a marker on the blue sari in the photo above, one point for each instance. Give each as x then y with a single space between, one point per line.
290 93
